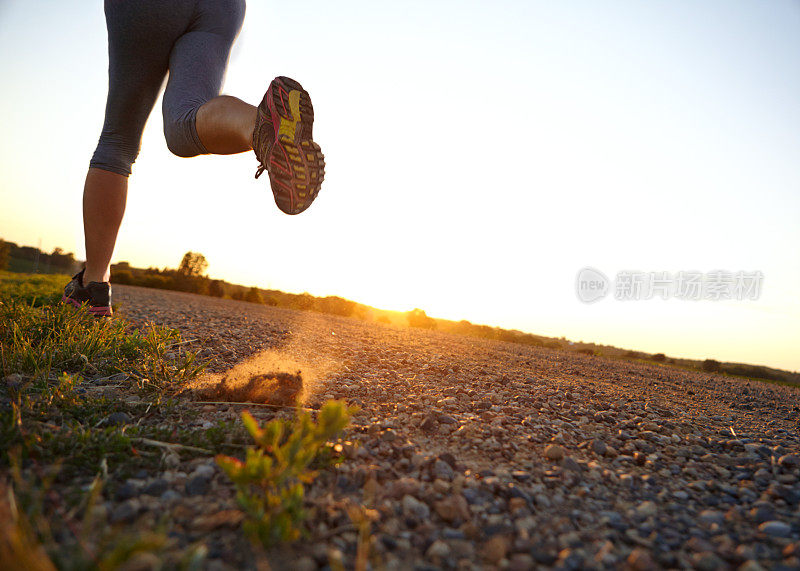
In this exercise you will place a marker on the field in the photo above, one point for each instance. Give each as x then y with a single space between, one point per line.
122 442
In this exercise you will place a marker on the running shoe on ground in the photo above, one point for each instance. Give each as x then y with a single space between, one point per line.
95 295
282 143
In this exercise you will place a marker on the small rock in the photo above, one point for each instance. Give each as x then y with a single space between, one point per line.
641 560
599 447
495 549
415 508
156 487
172 460
452 508
209 522
204 471
389 435
438 549
170 496
554 452
197 486
125 492
646 509
776 528
442 470
571 464
708 561
712 516
117 419
429 424
789 461
125 512
520 562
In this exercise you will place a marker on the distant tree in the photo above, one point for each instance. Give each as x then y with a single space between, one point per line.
254 295
216 288
712 366
659 357
5 254
418 318
238 294
193 264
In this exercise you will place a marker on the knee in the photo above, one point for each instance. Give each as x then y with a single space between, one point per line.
115 154
181 135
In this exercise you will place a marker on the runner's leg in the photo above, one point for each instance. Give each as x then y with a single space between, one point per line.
196 119
140 37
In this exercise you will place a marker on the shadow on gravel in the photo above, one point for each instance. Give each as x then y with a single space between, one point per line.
269 378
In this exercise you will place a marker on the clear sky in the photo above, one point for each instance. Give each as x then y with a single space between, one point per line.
478 155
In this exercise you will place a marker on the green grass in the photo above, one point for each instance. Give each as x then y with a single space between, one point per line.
53 418
36 289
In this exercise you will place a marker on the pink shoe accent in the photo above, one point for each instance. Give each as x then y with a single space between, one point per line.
96 311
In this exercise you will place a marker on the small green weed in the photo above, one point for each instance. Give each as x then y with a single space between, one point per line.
269 482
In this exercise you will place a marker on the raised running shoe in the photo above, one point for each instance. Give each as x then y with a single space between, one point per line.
95 295
282 143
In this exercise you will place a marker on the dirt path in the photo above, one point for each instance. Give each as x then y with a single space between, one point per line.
490 454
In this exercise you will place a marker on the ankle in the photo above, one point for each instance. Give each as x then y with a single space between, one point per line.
95 276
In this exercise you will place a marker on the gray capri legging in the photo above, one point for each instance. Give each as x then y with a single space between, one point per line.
190 39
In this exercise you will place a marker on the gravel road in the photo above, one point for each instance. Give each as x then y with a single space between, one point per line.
481 454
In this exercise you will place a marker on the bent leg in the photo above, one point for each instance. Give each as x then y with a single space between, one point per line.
196 72
225 125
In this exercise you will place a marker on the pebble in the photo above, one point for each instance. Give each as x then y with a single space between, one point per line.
125 512
170 496
156 487
712 516
452 508
554 452
125 492
641 560
776 528
599 447
415 508
203 471
438 549
117 419
646 509
197 485
495 549
442 469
